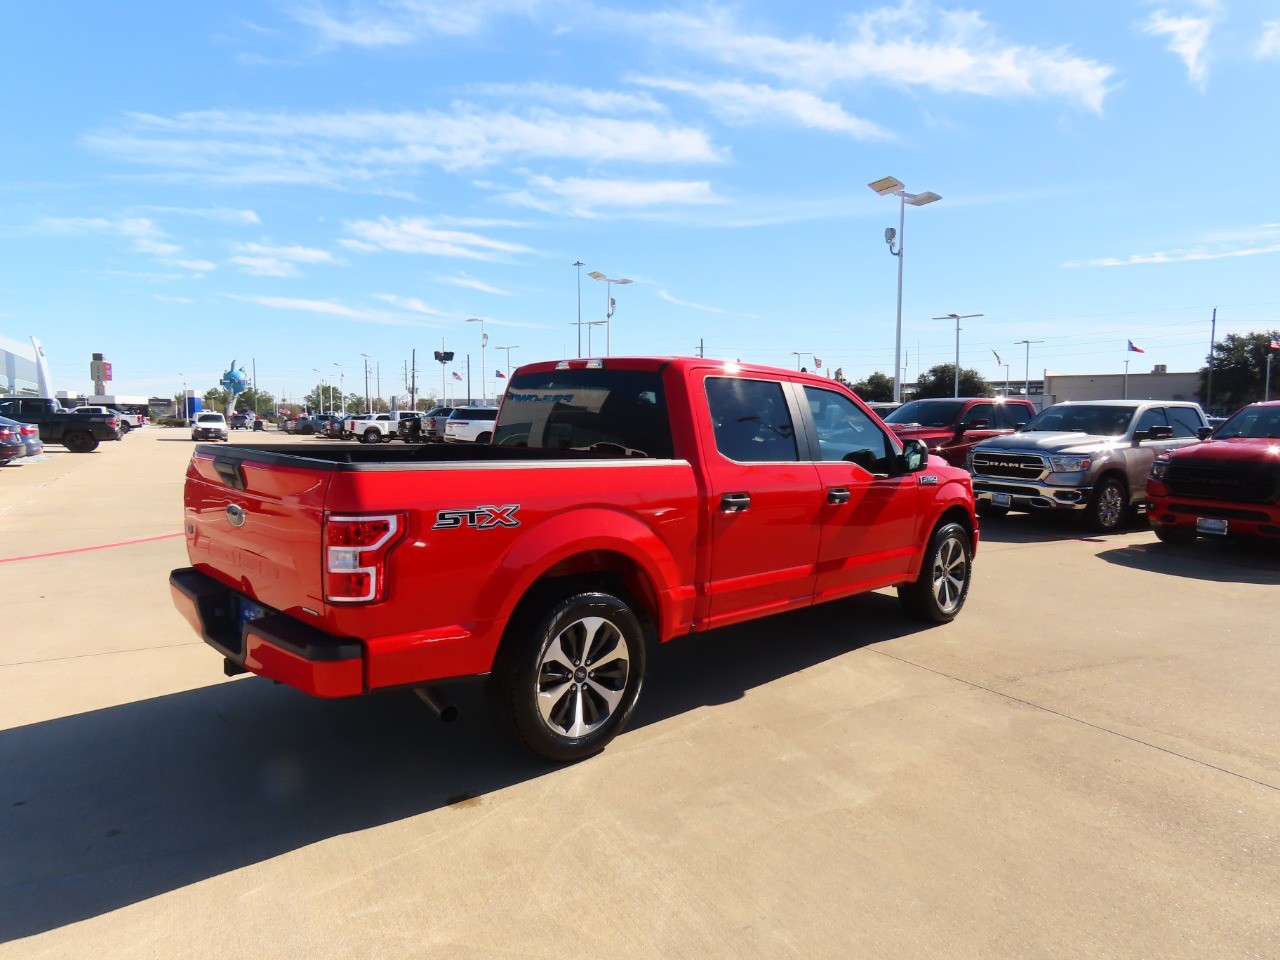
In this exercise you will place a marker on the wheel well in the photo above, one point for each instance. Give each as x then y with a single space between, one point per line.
596 570
955 514
1114 475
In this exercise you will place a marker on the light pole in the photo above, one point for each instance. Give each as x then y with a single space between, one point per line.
957 317
1026 385
484 340
185 417
798 354
1006 378
885 187
320 386
514 346
342 387
368 407
609 302
579 264
589 324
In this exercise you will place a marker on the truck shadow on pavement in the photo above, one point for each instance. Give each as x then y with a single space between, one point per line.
116 806
1217 561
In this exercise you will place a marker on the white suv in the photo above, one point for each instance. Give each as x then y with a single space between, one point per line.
209 426
470 425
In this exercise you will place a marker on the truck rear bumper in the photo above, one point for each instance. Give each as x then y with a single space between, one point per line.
275 646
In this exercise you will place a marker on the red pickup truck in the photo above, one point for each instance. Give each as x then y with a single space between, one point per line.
1227 486
952 426
622 502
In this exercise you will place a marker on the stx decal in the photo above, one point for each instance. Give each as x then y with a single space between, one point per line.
482 518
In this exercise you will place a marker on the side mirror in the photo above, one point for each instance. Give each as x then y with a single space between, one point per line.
978 424
915 456
1203 432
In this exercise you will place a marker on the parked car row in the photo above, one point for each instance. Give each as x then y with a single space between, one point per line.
78 432
18 440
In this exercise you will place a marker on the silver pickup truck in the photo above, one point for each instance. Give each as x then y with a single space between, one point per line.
1091 457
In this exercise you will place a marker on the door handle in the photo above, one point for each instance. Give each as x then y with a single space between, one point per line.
837 495
735 502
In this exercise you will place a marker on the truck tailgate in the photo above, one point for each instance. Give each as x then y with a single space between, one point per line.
257 527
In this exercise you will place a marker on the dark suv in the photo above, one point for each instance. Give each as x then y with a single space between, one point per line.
429 428
950 426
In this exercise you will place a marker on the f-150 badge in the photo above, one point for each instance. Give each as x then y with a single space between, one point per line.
482 518
928 479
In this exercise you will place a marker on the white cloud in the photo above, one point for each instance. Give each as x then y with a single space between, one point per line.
1269 43
470 284
1177 256
693 306
759 104
329 308
584 198
365 149
409 303
200 266
1188 36
608 102
228 214
419 235
912 45
265 266
143 234
405 21
294 254
166 299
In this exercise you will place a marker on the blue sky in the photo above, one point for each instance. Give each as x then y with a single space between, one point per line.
296 183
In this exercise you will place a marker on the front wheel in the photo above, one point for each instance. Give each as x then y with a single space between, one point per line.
566 682
1108 506
940 591
1180 536
124 428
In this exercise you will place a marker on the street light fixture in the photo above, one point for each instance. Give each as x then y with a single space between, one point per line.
579 264
887 186
514 346
609 302
800 353
484 340
322 385
957 317
1026 385
342 387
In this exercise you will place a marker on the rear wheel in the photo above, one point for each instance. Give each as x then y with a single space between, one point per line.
124 427
1108 507
940 591
566 682
371 436
79 441
484 438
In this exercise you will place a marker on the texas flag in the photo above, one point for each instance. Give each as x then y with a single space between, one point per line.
499 374
1133 349
457 376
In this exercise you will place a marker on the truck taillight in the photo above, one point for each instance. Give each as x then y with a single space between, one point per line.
355 555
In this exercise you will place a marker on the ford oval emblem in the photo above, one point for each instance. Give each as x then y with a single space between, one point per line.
235 515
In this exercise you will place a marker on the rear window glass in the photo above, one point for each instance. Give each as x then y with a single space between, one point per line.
474 413
608 412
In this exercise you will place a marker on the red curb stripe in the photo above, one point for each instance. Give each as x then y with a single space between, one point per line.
101 546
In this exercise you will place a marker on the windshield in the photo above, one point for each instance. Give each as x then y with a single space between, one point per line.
211 417
618 412
1257 423
1098 421
927 413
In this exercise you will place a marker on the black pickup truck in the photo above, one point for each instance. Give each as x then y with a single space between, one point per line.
78 432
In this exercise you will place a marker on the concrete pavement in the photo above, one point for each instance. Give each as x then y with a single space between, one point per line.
1085 764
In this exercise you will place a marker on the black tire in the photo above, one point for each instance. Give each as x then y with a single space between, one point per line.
484 438
124 427
1178 536
307 431
79 441
543 691
371 436
938 594
1108 507
988 509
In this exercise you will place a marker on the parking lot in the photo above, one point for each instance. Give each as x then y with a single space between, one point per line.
1086 763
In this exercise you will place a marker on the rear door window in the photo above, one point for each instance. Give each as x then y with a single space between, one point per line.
751 419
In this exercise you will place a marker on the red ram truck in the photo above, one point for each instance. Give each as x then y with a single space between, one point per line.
1229 485
951 426
621 502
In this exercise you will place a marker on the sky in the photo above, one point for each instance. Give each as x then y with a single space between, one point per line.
293 184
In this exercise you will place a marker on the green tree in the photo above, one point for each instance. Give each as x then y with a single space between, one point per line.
940 381
877 388
1240 371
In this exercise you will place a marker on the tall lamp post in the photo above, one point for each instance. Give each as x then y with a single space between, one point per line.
957 317
368 407
185 415
1026 384
887 186
514 346
609 302
798 354
321 385
484 340
579 264
342 388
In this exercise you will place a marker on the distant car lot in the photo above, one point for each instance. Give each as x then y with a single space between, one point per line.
1005 784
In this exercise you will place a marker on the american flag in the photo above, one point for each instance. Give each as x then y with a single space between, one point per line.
457 376
817 363
999 362
1275 343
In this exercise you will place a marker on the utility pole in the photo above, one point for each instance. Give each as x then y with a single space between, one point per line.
1213 336
579 264
468 379
1026 386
